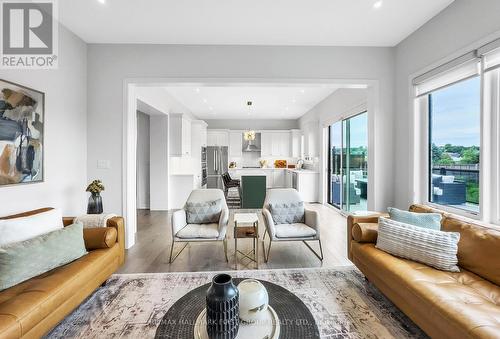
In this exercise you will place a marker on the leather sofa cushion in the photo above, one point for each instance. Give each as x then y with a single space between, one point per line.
365 232
461 300
33 300
478 247
99 237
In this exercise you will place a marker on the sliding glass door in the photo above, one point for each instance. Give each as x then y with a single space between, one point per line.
348 163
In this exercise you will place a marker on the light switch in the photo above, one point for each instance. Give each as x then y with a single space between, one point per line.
103 164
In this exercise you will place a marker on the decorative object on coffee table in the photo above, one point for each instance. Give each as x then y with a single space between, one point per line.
295 319
222 308
95 200
254 300
267 327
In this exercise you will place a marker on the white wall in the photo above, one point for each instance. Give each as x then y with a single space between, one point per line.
465 24
65 133
159 162
143 160
109 65
243 124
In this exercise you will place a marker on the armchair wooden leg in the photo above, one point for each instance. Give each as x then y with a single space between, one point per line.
266 257
171 260
320 256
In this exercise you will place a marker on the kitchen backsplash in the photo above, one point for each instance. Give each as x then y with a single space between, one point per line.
251 159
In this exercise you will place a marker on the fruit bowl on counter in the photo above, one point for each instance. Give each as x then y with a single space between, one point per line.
280 164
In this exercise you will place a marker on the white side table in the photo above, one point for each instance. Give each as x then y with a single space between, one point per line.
246 225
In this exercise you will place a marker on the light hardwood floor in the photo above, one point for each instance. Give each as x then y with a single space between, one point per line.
152 248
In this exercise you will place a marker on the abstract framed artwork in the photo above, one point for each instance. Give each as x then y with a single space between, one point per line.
21 134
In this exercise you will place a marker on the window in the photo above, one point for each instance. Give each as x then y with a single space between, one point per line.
456 159
454 139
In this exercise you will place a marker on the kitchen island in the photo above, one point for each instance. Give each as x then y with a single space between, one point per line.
303 180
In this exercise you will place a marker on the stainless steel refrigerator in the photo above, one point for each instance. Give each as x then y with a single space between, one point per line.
216 165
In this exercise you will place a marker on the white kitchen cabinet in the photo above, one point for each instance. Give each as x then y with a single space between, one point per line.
275 144
235 144
295 143
180 135
306 183
217 137
198 140
266 142
279 178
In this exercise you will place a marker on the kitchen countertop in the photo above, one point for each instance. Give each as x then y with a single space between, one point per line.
305 171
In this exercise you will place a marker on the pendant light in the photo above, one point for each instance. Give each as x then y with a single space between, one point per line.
249 135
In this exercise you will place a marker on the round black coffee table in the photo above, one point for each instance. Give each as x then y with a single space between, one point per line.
296 321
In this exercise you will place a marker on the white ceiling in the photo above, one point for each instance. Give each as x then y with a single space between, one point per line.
255 22
269 102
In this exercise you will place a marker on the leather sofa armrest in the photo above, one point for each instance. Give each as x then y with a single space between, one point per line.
365 232
118 223
99 237
352 220
68 221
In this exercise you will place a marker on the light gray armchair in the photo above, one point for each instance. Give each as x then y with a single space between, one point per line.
184 232
307 231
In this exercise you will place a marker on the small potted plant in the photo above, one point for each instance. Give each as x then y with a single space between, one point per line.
95 199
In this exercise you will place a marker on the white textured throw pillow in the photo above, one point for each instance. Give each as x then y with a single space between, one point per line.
431 247
19 229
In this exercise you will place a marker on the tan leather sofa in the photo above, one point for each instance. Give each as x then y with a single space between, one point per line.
443 304
32 308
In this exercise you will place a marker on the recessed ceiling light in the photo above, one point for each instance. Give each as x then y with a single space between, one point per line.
302 91
377 4
211 108
102 1
197 90
286 108
205 100
294 101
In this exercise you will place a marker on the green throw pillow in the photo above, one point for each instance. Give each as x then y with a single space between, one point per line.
26 259
426 220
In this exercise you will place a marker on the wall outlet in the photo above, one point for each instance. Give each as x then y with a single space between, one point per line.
103 164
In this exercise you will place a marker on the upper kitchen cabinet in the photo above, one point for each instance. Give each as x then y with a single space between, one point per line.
180 135
198 134
276 144
217 137
296 143
266 144
236 144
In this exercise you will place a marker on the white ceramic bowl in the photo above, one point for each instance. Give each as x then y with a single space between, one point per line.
253 300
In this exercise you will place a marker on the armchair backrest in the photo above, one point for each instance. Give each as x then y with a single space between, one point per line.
281 195
209 194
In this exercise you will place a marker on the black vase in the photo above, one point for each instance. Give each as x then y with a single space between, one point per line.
95 204
222 308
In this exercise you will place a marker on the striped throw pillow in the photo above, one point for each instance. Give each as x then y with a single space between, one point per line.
434 248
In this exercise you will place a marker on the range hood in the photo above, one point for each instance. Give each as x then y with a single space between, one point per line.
251 145
251 148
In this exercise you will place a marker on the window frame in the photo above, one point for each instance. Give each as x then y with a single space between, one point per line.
428 127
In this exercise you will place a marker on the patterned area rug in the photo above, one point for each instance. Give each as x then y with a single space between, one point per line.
343 303
233 198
